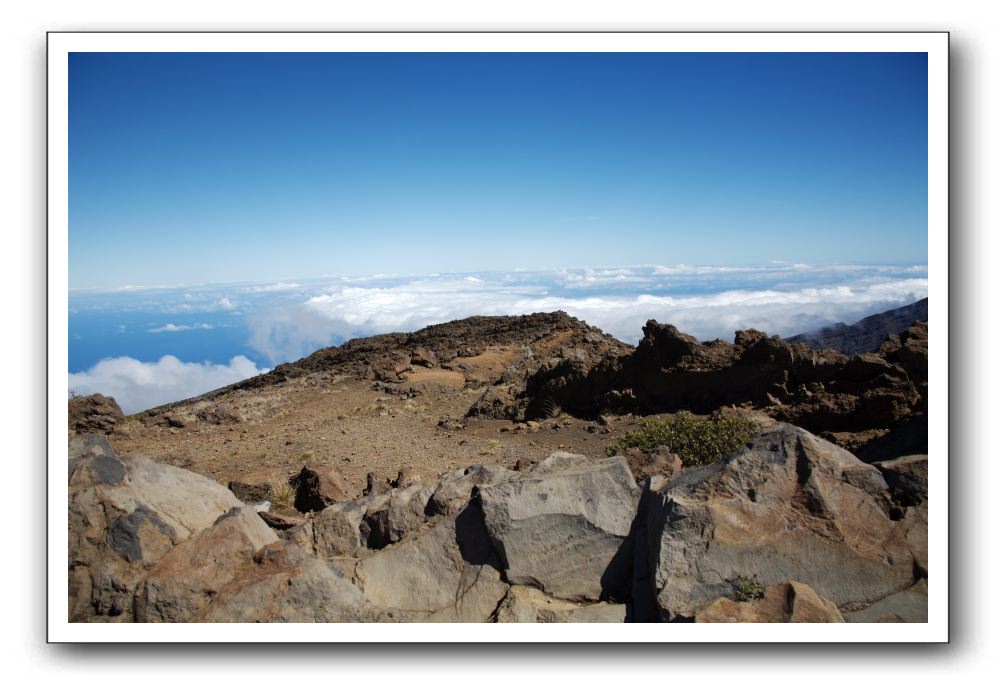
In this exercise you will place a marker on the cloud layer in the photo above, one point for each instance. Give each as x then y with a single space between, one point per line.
779 300
277 322
138 385
174 328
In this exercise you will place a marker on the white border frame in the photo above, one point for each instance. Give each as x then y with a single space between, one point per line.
61 44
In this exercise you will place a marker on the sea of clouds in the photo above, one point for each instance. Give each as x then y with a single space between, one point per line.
288 319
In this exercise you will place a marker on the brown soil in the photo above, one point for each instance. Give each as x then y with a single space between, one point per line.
354 426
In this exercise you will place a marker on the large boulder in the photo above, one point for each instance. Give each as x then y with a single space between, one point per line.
236 571
125 515
448 572
786 507
191 575
563 526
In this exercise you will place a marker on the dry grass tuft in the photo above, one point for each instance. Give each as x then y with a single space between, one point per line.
282 494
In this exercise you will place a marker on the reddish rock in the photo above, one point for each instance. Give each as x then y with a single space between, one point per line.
791 602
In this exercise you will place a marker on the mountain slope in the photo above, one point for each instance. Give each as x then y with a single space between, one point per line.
867 334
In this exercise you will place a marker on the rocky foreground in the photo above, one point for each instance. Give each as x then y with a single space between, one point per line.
821 516
788 528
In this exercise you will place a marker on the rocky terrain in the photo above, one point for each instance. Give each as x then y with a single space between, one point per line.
459 473
864 335
789 528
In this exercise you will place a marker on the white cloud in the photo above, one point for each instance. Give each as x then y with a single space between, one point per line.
272 288
174 328
138 385
225 303
791 300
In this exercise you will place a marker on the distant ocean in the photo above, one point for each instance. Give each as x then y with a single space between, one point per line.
149 346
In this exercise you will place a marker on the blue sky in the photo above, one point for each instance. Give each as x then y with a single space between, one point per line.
201 168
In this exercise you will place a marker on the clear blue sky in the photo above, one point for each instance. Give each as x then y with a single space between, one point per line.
188 168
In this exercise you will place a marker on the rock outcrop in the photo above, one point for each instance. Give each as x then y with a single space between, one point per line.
448 345
858 399
95 414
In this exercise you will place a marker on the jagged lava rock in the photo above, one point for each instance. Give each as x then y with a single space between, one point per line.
95 414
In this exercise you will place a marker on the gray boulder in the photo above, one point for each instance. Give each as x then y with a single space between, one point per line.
448 572
787 506
564 525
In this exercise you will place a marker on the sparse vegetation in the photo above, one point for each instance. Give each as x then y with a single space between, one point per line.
550 409
490 447
305 456
747 590
282 494
697 441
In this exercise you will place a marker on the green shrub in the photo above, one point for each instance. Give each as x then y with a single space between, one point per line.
695 440
746 590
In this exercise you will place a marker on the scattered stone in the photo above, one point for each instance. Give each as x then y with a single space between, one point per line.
421 356
451 423
317 488
279 521
220 414
249 493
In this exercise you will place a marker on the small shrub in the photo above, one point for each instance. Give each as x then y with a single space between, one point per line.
282 494
490 447
305 456
695 440
550 409
746 590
